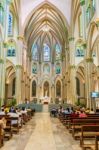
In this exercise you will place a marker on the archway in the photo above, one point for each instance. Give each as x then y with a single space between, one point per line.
46 89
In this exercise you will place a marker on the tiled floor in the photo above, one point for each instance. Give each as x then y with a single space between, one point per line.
42 133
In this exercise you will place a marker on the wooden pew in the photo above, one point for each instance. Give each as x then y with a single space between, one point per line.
1 137
96 142
89 132
15 124
78 123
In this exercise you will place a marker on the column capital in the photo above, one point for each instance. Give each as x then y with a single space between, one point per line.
82 2
97 22
5 44
1 61
21 38
84 44
71 39
89 59
18 66
72 66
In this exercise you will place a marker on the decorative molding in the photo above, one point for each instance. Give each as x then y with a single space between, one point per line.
90 59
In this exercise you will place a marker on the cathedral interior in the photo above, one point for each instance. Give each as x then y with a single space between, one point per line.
49 54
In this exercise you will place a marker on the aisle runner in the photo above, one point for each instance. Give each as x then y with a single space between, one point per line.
42 137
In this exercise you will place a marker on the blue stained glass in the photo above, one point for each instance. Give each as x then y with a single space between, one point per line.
58 52
34 52
10 24
46 51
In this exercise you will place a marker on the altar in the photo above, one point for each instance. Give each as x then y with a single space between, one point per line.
46 100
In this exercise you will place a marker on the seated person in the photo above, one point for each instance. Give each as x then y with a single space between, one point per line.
92 111
82 114
67 111
2 112
13 114
23 111
87 111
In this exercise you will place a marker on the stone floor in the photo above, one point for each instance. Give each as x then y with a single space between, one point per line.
42 133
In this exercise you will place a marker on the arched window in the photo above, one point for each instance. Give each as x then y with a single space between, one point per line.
34 52
46 52
11 52
58 89
13 87
34 68
58 68
10 24
1 14
58 51
46 69
34 89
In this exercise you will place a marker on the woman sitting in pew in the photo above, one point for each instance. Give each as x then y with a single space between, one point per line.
13 114
82 114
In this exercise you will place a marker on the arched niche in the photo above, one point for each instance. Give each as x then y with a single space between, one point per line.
46 89
46 69
33 88
58 89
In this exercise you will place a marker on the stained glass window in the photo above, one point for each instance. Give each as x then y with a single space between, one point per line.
11 49
58 52
80 51
34 68
10 24
46 51
34 52
58 69
1 14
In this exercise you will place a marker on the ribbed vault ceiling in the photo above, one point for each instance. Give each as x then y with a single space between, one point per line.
46 16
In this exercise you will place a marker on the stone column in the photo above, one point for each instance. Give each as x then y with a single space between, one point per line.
88 80
18 94
19 70
72 70
83 7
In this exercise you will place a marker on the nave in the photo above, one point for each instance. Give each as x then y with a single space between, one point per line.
41 133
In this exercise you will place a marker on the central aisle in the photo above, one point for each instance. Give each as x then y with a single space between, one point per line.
42 137
42 133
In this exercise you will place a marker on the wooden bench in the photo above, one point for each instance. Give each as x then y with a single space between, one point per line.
78 123
1 137
89 132
96 142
